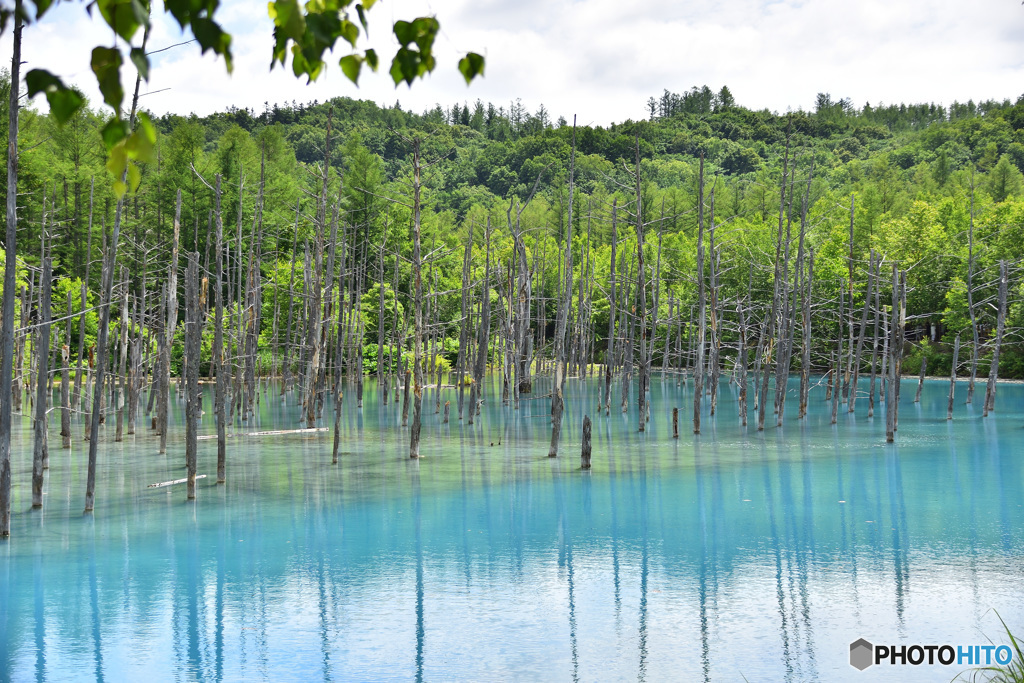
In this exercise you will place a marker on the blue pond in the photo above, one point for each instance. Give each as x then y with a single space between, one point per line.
732 554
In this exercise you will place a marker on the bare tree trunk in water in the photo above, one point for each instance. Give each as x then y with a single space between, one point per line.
557 398
641 285
484 328
610 353
698 365
193 344
106 287
417 276
172 323
42 386
993 373
852 399
874 338
975 348
287 371
65 382
10 268
805 362
220 390
952 378
894 378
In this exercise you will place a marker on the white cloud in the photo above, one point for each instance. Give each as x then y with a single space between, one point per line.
601 59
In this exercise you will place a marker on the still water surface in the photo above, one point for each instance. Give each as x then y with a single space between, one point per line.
733 554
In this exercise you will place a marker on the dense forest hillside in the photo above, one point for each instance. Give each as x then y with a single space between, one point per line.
915 177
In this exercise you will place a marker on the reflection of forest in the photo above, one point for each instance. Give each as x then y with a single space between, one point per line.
482 559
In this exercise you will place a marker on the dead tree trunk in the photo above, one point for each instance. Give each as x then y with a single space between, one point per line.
193 345
287 371
874 337
172 323
902 337
484 327
462 362
837 372
78 392
42 386
975 348
698 366
805 359
776 293
565 302
417 266
65 382
952 377
849 313
339 347
852 398
716 338
123 325
10 268
920 381
585 451
743 367
106 289
894 378
641 285
993 373
610 353
220 390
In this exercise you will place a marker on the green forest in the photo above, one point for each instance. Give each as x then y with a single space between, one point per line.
927 184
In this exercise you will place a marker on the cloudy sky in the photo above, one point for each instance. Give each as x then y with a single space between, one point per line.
599 59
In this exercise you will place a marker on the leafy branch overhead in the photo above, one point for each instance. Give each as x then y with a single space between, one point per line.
305 31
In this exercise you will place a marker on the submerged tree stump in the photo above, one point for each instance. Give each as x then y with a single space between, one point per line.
586 449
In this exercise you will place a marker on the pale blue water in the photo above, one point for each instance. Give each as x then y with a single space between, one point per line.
731 554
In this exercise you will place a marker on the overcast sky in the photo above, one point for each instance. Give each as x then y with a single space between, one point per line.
599 59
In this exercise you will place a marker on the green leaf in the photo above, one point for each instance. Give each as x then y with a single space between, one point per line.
117 162
425 30
289 17
403 31
351 65
114 132
371 59
141 143
134 177
106 64
124 16
41 7
471 66
349 32
362 18
141 62
64 101
404 66
212 37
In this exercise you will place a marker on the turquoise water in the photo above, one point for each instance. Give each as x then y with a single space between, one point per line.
704 558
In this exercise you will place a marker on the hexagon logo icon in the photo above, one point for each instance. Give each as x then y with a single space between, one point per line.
861 654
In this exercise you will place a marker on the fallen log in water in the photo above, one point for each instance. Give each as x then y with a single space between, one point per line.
276 432
172 483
